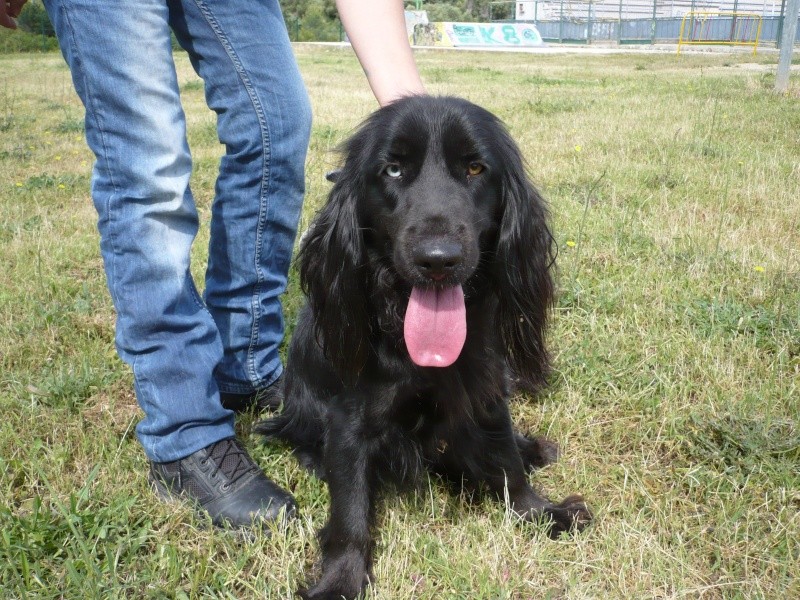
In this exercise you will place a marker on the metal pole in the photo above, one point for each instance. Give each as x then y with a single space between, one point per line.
779 35
787 45
655 6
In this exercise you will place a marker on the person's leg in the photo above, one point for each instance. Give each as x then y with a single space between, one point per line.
121 61
120 57
242 52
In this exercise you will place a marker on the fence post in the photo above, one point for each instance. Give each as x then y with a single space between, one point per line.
733 20
619 24
561 24
653 27
589 25
779 34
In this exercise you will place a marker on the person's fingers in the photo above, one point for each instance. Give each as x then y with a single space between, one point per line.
6 21
15 7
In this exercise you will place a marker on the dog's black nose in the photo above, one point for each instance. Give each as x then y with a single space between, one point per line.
438 259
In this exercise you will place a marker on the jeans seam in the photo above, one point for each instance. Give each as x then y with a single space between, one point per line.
265 178
101 134
109 213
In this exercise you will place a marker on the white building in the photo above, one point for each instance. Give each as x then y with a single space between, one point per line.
547 10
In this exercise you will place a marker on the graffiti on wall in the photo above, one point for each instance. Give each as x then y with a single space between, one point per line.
477 34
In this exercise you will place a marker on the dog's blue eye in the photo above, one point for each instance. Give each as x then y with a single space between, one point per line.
393 170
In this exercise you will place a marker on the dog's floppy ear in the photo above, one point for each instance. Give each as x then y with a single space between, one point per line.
331 274
525 253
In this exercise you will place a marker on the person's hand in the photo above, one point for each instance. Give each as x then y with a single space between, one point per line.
9 10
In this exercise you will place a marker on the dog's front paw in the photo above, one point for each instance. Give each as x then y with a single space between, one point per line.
345 576
570 515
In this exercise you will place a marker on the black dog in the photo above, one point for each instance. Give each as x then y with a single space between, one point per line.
427 275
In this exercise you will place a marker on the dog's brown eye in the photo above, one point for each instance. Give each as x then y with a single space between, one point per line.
474 168
393 170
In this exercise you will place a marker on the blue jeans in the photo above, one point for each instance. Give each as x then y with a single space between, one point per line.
185 349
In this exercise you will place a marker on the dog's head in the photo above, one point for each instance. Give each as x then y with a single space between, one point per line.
432 198
431 190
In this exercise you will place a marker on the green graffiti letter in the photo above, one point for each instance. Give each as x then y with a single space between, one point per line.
510 34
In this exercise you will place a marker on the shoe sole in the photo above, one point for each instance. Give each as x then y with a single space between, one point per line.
244 533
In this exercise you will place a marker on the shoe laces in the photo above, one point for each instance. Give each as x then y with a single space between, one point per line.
231 460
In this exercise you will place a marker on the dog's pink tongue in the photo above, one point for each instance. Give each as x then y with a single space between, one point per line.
435 327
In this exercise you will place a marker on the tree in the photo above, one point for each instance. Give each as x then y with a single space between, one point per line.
315 20
34 19
464 10
311 20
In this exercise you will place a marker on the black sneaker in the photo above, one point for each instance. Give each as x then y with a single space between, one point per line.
269 398
225 482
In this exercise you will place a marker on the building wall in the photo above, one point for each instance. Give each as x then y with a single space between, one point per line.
546 10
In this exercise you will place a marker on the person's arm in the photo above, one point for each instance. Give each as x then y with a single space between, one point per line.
9 11
377 31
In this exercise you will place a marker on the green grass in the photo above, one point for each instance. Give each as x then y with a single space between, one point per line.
673 184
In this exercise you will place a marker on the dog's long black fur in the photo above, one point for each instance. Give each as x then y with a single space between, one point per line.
432 192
